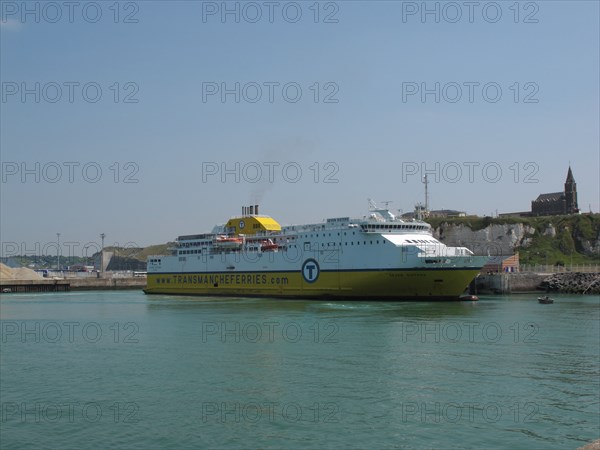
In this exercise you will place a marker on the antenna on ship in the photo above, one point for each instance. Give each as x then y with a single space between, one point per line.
422 211
426 183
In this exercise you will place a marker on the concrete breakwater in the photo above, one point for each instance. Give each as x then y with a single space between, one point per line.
506 283
573 283
71 284
82 284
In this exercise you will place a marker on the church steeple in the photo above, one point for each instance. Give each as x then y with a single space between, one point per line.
571 193
570 178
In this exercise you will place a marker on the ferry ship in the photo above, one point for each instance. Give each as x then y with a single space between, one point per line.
377 257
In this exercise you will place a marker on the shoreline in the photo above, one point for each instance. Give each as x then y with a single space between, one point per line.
73 284
493 284
585 283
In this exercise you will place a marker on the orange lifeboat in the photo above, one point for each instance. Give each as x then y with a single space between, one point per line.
229 242
268 246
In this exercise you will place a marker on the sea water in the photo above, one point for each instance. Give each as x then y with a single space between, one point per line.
121 369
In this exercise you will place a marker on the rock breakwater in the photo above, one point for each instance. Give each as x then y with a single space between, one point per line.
573 283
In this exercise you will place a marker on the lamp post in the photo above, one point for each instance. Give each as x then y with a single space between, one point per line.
102 236
571 260
57 251
86 249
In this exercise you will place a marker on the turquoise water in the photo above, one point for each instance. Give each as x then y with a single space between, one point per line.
120 369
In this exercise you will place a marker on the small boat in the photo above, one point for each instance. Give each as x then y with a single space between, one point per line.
468 298
6 291
545 300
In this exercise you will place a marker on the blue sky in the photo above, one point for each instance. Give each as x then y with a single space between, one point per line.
360 129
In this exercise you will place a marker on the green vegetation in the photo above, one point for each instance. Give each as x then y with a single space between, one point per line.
477 223
565 248
49 261
141 253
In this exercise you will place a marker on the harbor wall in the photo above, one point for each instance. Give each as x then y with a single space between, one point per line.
42 285
72 284
507 283
82 284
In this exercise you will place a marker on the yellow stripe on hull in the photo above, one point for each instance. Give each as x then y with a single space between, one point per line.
382 284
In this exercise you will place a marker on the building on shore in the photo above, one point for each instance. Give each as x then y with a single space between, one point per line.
502 263
557 203
433 213
553 203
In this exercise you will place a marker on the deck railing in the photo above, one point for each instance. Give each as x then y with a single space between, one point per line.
542 268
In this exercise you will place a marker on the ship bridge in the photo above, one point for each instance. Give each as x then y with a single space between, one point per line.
382 220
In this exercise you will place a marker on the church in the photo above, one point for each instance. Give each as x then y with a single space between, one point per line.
557 203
